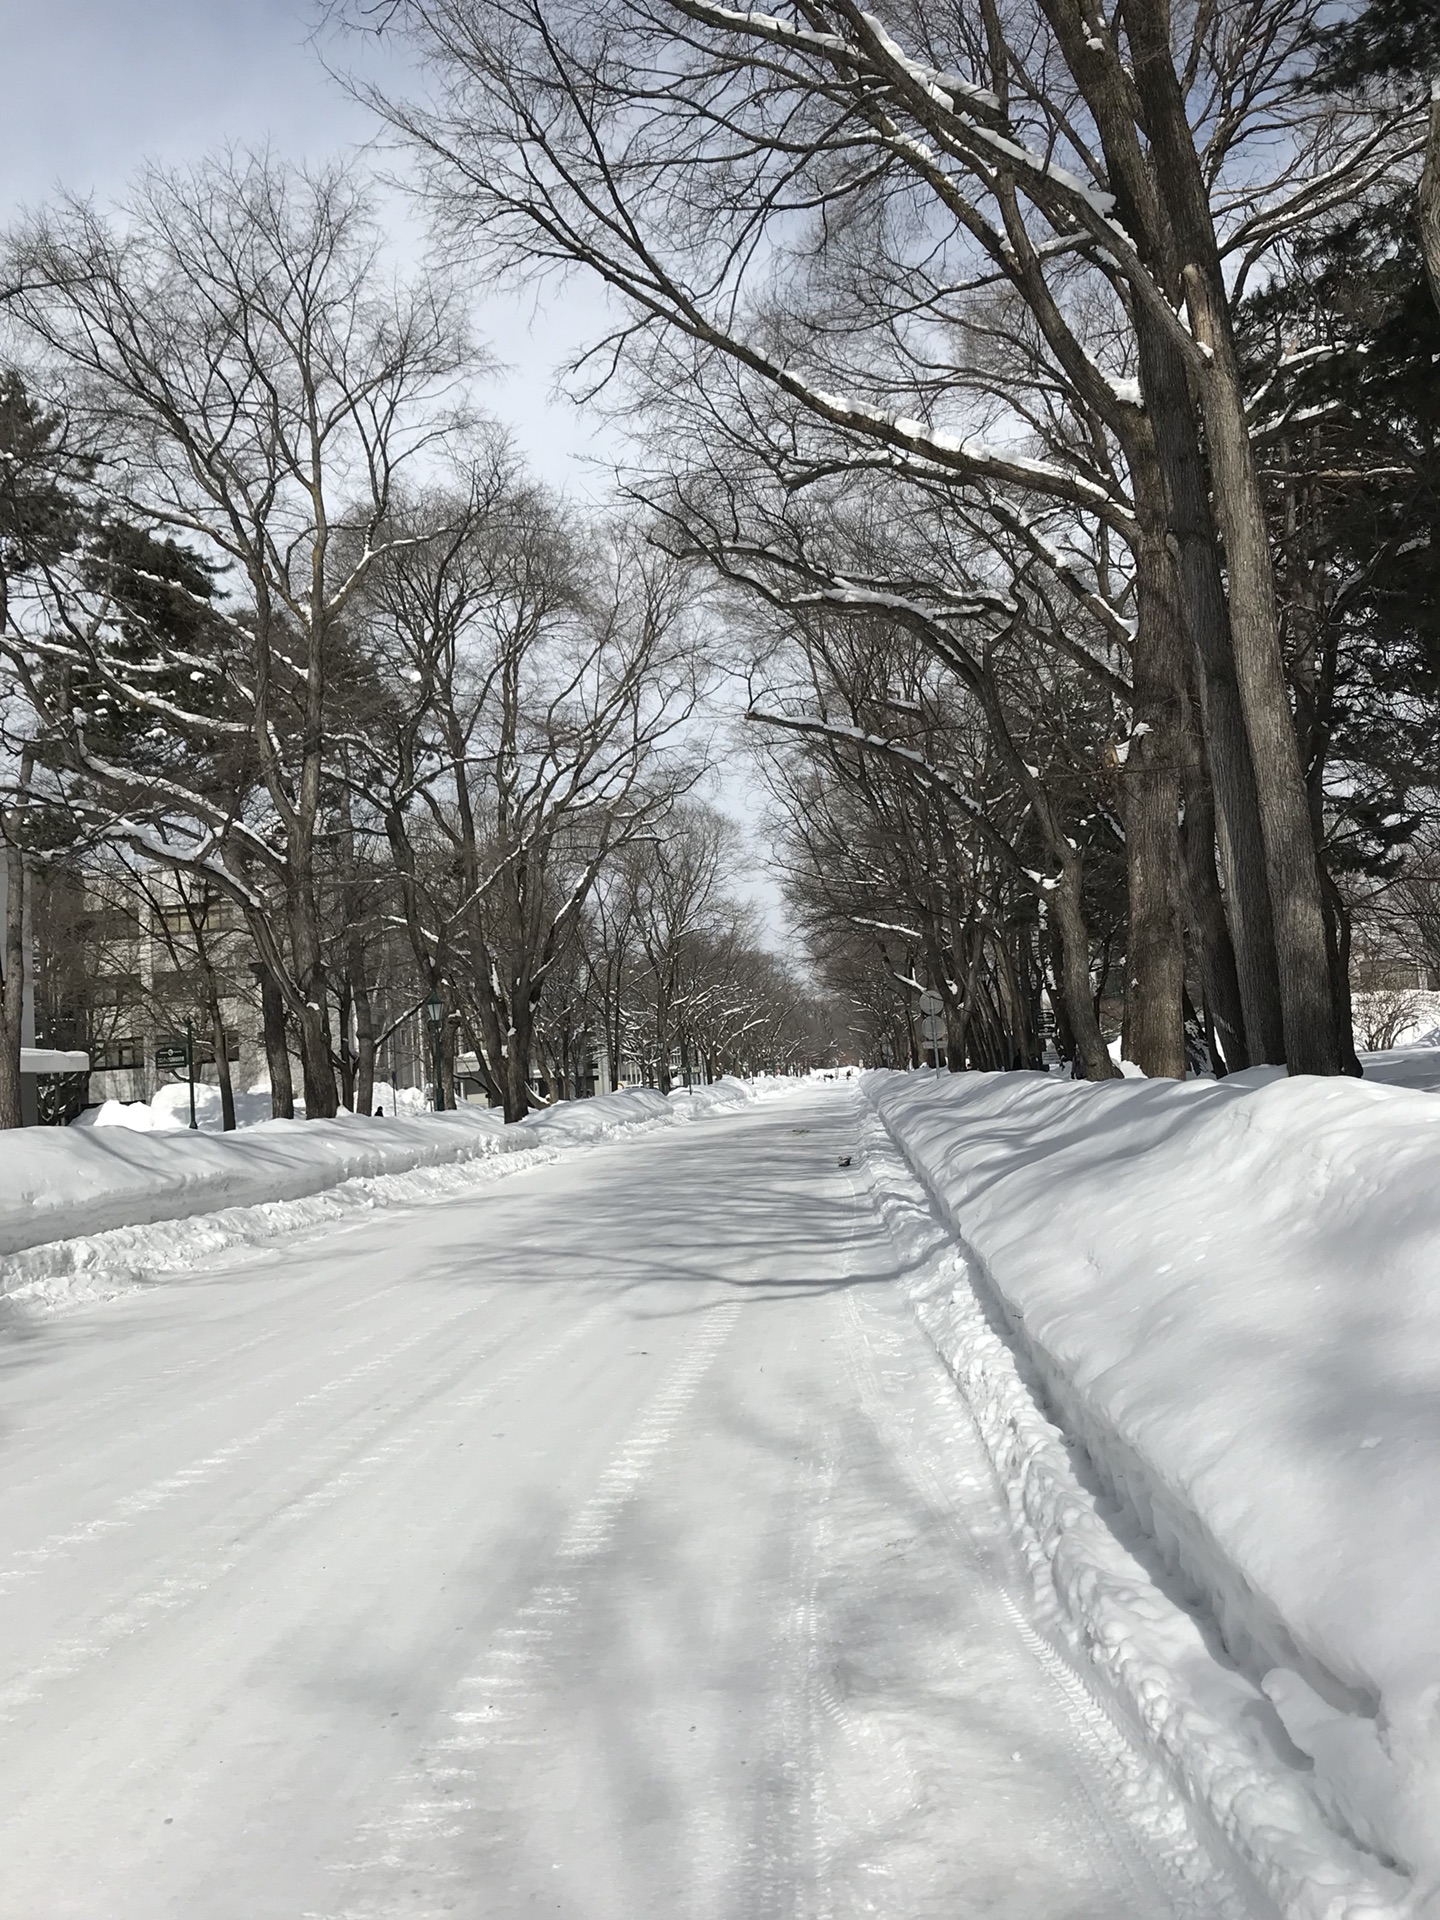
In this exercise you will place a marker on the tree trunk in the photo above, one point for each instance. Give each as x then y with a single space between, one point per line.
217 1038
363 1012
12 988
448 1100
662 1040
222 1070
277 1049
1155 950
1232 773
1074 940
1206 917
317 1064
1066 1045
518 1042
517 1091
1306 996
1337 924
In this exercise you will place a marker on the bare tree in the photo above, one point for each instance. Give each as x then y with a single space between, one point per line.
808 205
251 381
675 882
548 668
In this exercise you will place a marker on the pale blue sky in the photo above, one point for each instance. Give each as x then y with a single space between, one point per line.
93 88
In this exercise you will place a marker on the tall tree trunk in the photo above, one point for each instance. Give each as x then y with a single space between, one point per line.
1306 995
364 1032
277 1046
1074 940
317 1064
519 1041
662 1037
1337 924
517 1090
1239 838
12 987
1206 917
1066 1045
222 1061
448 1098
1155 951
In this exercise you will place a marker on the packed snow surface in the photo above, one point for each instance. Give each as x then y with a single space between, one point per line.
1227 1292
605 1542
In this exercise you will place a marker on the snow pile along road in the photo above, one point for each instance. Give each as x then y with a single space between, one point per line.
727 1095
1228 1294
169 1111
112 1203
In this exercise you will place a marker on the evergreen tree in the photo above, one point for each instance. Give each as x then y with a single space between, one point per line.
1343 352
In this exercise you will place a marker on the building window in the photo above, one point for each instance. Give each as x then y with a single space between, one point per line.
112 1056
213 916
117 990
176 988
111 923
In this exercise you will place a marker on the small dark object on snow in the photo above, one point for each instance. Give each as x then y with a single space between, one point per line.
844 1160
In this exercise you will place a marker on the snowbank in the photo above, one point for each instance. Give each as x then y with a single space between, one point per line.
1227 1292
67 1183
727 1095
1417 1066
169 1111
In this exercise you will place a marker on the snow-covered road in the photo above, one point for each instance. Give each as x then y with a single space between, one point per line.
609 1544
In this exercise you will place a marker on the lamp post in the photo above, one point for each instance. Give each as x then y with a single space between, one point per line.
435 1014
190 1068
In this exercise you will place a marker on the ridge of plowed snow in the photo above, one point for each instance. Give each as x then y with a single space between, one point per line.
85 1212
1226 1294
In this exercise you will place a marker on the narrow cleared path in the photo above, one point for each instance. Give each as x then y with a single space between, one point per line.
609 1545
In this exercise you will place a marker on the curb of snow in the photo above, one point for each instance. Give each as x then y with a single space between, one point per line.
1117 1624
81 1269
97 1266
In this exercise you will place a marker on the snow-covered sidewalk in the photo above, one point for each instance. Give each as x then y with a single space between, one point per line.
1200 1327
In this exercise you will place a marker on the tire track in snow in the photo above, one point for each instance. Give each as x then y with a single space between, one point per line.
26 1562
489 1711
198 1375
792 1869
208 1561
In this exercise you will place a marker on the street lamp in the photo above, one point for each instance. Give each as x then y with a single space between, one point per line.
435 1014
190 1069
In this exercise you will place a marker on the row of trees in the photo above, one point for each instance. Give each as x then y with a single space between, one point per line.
1051 386
285 622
